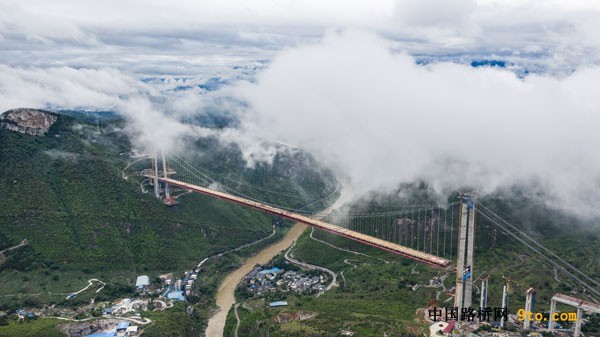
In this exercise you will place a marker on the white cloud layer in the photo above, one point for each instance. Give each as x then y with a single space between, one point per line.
357 98
64 87
183 37
95 89
384 119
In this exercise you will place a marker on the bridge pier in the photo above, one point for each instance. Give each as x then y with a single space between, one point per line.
529 304
484 291
504 304
581 305
578 323
552 311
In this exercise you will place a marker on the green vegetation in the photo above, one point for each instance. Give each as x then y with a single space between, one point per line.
376 297
82 220
34 327
175 322
65 194
592 327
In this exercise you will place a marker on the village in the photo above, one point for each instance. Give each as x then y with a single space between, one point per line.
262 281
121 316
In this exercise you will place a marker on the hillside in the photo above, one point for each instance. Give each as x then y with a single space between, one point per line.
376 298
64 193
66 196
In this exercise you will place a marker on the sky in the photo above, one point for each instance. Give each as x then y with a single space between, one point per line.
183 37
384 91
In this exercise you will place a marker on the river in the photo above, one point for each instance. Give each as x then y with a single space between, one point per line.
225 295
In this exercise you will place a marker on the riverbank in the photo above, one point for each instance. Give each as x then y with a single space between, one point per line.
225 296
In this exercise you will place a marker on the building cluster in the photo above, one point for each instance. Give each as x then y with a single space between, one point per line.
149 296
170 288
102 328
22 314
261 281
177 289
123 329
46 311
126 306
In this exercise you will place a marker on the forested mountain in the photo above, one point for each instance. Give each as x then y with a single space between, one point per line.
63 191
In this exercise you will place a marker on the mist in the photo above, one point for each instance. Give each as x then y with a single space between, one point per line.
381 119
149 124
371 112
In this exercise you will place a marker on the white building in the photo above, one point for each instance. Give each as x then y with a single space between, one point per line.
142 281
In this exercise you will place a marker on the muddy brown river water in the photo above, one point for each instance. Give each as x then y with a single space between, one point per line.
225 295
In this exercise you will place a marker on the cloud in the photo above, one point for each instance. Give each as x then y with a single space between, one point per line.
20 23
183 37
384 119
157 114
64 87
95 89
364 89
150 127
434 13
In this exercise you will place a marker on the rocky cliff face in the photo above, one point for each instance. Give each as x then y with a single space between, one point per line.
30 121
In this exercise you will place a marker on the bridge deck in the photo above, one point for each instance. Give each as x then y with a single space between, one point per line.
422 257
575 302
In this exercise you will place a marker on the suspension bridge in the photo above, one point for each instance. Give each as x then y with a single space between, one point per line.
433 235
191 179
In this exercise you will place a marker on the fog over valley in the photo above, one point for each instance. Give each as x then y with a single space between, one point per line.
402 93
300 168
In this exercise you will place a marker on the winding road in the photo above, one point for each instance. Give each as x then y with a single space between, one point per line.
312 266
90 283
521 258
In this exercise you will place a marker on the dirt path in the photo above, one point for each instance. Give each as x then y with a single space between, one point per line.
24 242
90 283
237 318
347 261
312 266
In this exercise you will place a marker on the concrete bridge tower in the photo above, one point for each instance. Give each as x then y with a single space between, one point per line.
464 264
